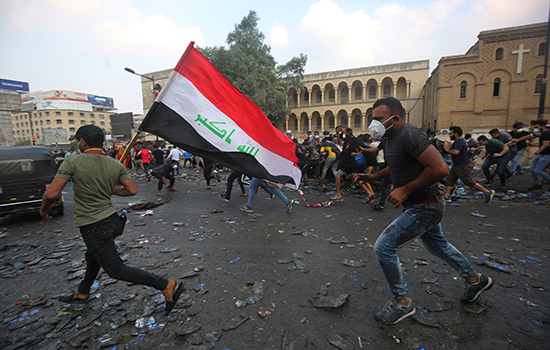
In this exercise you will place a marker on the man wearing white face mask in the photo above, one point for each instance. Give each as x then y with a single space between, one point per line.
415 167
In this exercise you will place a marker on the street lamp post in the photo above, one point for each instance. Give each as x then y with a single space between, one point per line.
130 70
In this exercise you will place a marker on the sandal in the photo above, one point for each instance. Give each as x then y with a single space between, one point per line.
70 299
170 304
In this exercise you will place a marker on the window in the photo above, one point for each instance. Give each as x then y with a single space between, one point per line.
72 129
93 122
40 114
499 54
92 115
82 114
387 90
82 122
538 84
70 114
542 49
357 122
463 86
331 122
102 123
101 116
71 121
319 96
58 121
496 87
47 114
58 113
48 122
331 96
344 93
26 123
358 93
16 125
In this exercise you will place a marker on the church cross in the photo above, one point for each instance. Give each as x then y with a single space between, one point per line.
520 53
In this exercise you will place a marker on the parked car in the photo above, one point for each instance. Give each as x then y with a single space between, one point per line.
25 173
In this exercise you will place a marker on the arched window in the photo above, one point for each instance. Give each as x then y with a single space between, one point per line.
496 87
387 90
463 87
319 96
345 121
538 84
357 121
499 55
295 123
358 93
344 93
372 92
542 49
331 122
331 95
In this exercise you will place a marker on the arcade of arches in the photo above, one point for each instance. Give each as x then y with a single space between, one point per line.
321 107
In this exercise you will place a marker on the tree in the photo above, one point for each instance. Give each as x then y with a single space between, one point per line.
247 63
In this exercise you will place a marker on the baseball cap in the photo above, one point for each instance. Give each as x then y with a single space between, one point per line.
517 125
289 132
90 133
326 132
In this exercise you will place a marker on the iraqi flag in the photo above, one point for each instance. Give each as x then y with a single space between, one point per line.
201 112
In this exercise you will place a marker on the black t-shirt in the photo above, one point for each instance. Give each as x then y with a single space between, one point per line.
401 152
517 135
159 156
463 157
545 136
347 164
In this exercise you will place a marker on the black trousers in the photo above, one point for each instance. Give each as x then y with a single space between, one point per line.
161 183
101 253
230 179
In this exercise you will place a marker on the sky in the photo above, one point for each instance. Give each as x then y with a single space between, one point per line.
84 46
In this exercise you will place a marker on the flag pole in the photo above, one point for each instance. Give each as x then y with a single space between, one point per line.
129 146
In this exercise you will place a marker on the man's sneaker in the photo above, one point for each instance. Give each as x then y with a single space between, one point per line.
473 291
246 208
377 207
535 187
394 312
448 199
489 196
224 198
271 196
289 205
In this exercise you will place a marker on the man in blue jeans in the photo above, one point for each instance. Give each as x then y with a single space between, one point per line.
255 183
541 158
415 167
495 152
95 176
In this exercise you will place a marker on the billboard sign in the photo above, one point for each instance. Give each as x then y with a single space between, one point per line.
14 85
31 97
60 104
101 101
52 136
65 95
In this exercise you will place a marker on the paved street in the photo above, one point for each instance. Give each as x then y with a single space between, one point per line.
268 280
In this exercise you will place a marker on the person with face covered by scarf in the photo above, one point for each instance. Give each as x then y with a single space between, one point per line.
415 167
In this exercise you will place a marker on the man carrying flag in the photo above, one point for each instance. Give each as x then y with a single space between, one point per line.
200 111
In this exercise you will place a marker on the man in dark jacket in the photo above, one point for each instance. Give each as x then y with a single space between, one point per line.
164 172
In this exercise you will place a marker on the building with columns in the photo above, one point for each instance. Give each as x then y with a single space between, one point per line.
493 85
345 97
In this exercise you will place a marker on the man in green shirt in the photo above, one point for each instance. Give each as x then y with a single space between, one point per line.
95 177
495 152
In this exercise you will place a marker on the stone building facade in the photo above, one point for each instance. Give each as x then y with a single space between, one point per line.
33 123
346 97
496 83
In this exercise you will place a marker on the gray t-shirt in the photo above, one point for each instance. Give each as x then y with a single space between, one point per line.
401 152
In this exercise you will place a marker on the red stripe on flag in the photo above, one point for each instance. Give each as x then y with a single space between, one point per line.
230 101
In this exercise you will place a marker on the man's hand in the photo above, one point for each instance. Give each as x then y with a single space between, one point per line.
532 156
362 178
45 215
398 196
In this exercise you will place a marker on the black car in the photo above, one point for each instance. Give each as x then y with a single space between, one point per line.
25 173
